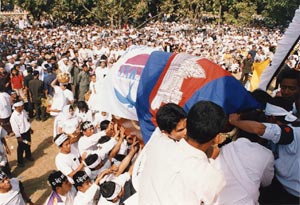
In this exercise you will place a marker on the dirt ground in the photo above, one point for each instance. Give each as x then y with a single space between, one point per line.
34 175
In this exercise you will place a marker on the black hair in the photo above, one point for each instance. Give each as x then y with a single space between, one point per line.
57 136
103 139
90 159
82 105
78 175
168 116
204 121
288 73
104 124
107 189
54 175
283 102
11 71
83 125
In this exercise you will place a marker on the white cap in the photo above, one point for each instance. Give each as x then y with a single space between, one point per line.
279 111
18 104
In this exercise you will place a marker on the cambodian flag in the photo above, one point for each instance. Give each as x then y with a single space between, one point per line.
185 79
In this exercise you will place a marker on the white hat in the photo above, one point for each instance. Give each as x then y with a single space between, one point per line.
279 111
60 139
18 104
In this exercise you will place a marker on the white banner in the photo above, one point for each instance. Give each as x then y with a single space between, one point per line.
119 90
284 47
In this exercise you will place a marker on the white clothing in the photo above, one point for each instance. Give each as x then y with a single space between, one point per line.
70 125
84 116
19 122
90 197
69 96
67 163
41 72
101 73
89 144
123 148
287 165
9 66
5 105
63 67
3 159
95 173
67 199
245 166
92 102
121 180
59 100
13 196
132 200
174 178
141 159
98 118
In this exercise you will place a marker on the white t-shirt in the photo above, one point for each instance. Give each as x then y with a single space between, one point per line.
59 100
67 199
121 180
244 172
89 144
3 158
5 106
19 122
69 95
90 197
67 163
177 173
13 196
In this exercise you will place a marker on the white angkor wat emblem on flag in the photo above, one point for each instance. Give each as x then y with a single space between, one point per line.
183 66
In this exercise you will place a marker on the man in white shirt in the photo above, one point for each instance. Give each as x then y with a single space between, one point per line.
4 150
246 165
180 172
5 107
88 192
284 138
88 142
22 129
62 190
66 161
12 191
113 190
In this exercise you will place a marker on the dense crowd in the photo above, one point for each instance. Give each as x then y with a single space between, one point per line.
57 72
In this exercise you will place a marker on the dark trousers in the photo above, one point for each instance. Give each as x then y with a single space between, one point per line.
244 78
40 111
6 125
275 194
29 108
6 169
23 147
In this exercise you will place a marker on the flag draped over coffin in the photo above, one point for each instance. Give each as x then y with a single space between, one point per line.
185 79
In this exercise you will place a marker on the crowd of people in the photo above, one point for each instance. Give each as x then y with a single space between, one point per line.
56 72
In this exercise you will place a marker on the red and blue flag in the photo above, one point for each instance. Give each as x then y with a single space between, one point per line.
185 79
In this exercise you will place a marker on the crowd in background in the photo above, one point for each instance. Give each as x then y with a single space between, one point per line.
94 148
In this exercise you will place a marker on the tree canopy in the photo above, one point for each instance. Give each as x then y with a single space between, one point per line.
116 12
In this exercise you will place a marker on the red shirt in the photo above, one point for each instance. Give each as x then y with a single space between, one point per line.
17 81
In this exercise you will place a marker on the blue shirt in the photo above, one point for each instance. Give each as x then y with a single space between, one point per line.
47 83
287 165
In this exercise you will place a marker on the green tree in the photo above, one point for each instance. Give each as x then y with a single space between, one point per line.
280 12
